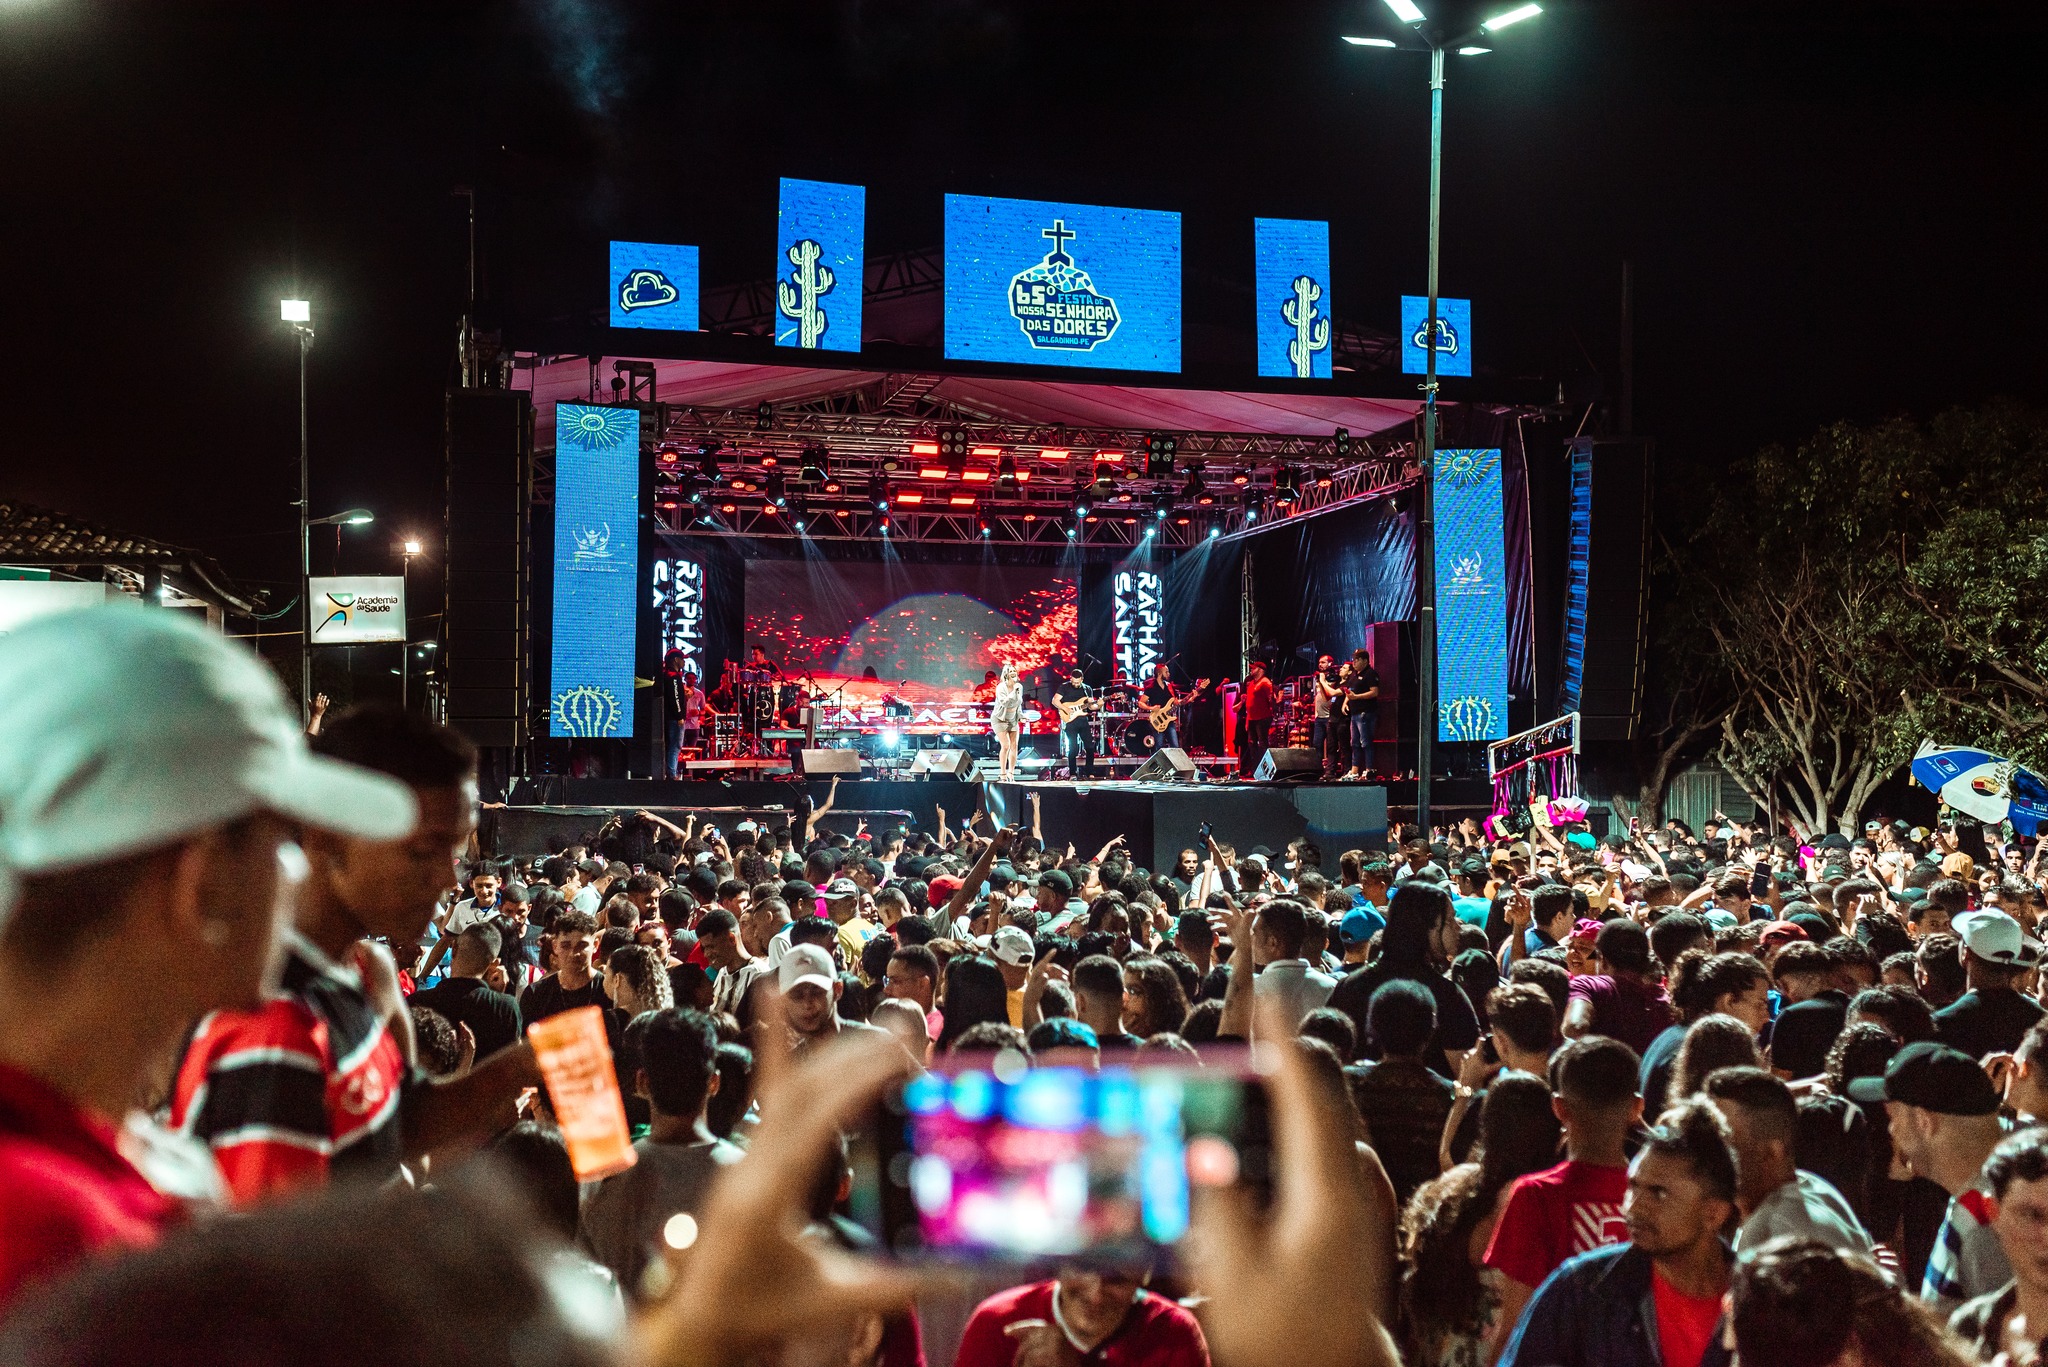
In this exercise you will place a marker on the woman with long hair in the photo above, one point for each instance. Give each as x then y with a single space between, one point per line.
1447 1303
1712 1041
1704 984
1006 720
1420 939
974 994
1154 1002
1800 1303
636 980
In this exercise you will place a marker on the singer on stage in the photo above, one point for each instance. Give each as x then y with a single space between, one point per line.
1007 720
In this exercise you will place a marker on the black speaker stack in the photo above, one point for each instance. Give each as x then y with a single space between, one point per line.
484 631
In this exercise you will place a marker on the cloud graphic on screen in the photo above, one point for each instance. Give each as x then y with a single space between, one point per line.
646 289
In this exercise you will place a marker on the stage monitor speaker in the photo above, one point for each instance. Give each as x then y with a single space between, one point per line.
813 762
485 646
1288 762
1169 762
957 763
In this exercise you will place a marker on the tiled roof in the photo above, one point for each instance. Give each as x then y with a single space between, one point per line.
38 536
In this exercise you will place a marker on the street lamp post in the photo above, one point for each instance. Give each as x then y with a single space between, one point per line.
353 517
407 550
1425 516
299 313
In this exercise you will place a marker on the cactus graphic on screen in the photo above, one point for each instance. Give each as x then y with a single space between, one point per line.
1311 329
1468 718
798 296
586 710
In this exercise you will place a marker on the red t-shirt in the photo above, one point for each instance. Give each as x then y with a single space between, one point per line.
1685 1324
1155 1333
65 1190
1556 1214
1258 700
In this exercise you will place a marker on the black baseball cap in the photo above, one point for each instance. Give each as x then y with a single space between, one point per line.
1933 1077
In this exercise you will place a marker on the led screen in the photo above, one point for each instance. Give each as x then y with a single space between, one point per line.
1471 593
819 241
653 285
1453 335
925 636
1291 272
1062 284
597 550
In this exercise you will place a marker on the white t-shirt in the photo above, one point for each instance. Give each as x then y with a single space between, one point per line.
1807 1207
586 900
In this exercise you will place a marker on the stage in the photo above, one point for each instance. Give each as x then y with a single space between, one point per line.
1156 820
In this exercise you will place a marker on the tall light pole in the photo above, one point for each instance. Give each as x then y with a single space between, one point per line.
409 548
299 313
1425 517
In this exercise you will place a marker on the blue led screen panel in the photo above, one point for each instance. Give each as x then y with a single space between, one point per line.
653 285
1472 597
597 554
1291 275
1453 335
820 241
1062 284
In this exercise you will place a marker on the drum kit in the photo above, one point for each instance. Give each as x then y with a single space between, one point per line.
765 707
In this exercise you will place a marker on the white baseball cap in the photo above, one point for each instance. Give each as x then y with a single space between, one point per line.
806 964
126 728
1012 946
1997 938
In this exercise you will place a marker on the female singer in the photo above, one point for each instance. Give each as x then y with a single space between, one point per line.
1007 719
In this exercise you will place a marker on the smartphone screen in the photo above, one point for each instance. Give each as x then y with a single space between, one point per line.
1760 881
1056 1163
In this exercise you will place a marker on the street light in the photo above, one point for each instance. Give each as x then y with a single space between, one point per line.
299 313
354 517
1465 45
407 549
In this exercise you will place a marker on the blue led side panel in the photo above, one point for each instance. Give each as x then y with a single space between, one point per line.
1577 564
820 240
1453 335
1291 277
1062 284
597 554
653 285
1472 598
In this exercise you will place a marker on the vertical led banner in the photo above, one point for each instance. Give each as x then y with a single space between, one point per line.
597 564
1138 622
1453 335
1062 284
678 586
820 239
1577 578
1291 275
1471 597
653 285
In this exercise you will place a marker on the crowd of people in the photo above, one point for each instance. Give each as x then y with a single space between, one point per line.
1663 1098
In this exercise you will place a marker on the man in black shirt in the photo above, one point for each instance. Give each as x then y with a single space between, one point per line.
492 1017
1362 706
1990 1018
575 982
1159 692
1079 730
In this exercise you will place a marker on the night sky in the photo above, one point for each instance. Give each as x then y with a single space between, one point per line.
1832 208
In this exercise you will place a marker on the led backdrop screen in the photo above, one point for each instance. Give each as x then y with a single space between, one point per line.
597 551
1472 597
1453 335
1062 284
654 285
928 633
1291 278
819 244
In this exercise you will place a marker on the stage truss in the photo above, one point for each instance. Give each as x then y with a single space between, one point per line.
883 458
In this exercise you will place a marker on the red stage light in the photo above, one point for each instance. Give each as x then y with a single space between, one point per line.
909 496
932 472
961 500
1129 520
768 458
1031 517
974 476
989 451
1093 518
924 448
1054 453
1110 457
728 507
1023 476
1240 477
1180 522
833 486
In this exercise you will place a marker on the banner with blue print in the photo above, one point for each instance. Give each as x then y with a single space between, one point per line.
820 241
1453 335
597 565
1291 274
1471 597
654 285
1062 284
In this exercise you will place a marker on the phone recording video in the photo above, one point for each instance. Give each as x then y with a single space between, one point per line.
993 1163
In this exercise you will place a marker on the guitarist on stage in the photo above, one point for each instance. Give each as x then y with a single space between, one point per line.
1163 701
1074 702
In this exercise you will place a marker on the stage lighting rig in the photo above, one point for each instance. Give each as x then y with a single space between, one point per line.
1162 506
981 522
778 490
707 461
953 445
1196 490
1160 449
799 513
764 416
1006 471
1105 476
1341 443
1286 487
814 467
878 493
